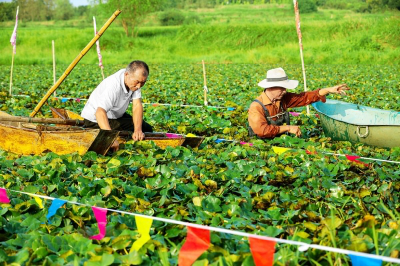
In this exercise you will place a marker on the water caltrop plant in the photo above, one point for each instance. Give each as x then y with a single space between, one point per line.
301 194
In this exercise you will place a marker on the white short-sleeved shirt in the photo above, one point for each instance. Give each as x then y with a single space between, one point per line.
112 96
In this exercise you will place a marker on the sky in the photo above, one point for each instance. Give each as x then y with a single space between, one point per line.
79 2
73 2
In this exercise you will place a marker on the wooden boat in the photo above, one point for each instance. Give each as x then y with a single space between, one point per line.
357 123
161 139
29 138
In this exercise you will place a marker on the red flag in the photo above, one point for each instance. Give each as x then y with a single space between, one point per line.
263 251
3 196
197 241
354 158
101 217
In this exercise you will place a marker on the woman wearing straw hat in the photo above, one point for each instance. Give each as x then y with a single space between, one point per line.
268 116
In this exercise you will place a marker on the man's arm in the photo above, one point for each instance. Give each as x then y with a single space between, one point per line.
102 121
137 116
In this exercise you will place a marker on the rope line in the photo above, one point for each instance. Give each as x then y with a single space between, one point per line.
302 246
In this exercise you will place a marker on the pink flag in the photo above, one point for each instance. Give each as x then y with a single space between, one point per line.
294 113
197 241
172 135
101 217
13 39
297 14
263 251
3 196
354 158
243 143
98 45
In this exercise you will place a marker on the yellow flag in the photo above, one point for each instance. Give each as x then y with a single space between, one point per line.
279 150
39 202
190 135
143 225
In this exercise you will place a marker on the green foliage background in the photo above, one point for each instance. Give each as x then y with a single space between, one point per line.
260 34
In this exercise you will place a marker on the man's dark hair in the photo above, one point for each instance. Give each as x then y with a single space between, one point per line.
137 65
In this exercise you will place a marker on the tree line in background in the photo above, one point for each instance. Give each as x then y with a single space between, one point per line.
41 10
136 10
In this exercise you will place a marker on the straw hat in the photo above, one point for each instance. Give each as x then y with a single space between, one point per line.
277 78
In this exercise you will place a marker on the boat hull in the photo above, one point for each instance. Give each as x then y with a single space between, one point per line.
159 138
28 141
366 125
28 138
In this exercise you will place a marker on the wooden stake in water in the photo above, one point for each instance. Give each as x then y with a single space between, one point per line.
11 73
297 15
205 84
54 65
98 49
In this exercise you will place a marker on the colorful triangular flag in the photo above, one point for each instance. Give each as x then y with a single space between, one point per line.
143 226
279 150
3 196
39 202
364 261
244 143
101 216
263 251
197 241
354 158
55 205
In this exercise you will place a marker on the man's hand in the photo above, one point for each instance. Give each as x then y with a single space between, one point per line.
295 130
138 135
115 146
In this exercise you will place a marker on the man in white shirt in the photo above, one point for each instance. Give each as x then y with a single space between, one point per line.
107 105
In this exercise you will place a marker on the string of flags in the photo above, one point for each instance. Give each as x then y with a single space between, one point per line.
280 150
198 237
189 105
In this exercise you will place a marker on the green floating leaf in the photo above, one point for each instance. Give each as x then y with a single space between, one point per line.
133 258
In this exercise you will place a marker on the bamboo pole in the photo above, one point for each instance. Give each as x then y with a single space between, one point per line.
41 120
297 17
73 64
54 64
205 83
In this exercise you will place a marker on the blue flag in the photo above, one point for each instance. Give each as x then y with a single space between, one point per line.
363 261
55 205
